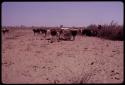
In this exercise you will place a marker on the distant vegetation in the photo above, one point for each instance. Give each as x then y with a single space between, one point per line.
111 31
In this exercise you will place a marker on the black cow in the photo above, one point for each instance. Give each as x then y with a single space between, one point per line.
36 31
43 31
87 32
54 34
5 31
99 27
73 33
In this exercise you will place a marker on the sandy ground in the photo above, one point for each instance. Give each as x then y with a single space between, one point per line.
28 59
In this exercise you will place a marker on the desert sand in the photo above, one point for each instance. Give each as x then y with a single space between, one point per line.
33 60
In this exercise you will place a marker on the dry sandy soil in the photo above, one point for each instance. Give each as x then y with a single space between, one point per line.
32 59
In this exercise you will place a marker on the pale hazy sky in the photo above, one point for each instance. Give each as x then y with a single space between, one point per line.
57 13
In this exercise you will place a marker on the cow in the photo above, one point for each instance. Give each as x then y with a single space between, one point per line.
87 32
99 27
100 31
43 31
54 35
36 31
73 33
5 31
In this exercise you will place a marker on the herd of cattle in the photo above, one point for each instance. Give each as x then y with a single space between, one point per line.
67 33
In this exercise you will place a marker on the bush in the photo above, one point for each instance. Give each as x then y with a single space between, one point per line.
113 31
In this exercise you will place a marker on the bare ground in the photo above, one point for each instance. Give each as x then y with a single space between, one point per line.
32 59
